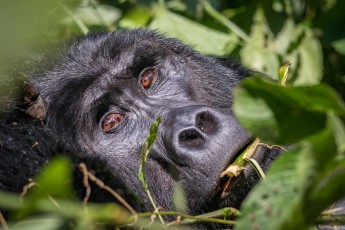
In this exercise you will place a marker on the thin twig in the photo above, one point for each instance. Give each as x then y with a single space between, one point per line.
3 222
83 169
27 187
273 146
101 184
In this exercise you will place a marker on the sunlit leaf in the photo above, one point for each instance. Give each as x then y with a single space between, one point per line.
339 45
97 14
258 54
311 64
202 38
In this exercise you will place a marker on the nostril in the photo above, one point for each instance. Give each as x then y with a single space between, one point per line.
206 122
191 138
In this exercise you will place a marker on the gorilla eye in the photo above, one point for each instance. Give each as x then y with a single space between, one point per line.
110 121
147 77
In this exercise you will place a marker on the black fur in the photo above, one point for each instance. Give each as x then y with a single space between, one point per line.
199 136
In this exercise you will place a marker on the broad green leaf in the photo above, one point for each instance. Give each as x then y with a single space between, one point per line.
285 37
202 38
274 203
284 114
10 201
179 198
53 181
339 46
47 222
338 129
298 46
96 14
311 64
298 187
255 114
259 54
327 191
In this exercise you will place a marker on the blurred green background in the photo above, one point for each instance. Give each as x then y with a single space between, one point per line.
262 35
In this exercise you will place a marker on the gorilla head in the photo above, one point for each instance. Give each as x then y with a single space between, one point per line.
107 88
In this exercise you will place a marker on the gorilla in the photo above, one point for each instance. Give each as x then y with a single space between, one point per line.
100 97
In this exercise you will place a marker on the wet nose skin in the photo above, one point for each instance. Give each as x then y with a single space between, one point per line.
200 133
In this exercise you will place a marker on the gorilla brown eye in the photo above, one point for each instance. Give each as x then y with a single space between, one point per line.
147 77
111 120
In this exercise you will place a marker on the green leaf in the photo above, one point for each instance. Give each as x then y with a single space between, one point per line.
298 187
311 64
259 54
135 18
47 222
338 129
275 201
202 38
53 181
179 198
279 114
328 191
96 14
339 46
10 201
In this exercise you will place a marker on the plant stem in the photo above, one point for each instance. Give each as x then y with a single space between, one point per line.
226 22
208 217
75 18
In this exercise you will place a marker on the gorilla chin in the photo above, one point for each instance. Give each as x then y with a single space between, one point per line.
105 90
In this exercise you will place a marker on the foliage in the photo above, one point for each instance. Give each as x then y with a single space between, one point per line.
263 35
307 179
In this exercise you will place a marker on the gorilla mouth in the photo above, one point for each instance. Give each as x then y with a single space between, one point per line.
236 166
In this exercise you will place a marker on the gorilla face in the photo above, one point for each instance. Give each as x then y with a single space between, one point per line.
106 90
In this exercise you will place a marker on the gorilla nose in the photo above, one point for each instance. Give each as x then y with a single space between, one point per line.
201 133
191 128
199 124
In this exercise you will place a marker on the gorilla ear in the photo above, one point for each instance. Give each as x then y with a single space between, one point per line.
36 105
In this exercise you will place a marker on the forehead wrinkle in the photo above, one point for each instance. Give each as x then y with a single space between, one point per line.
122 63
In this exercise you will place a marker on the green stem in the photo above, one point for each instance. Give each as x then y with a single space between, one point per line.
146 150
208 217
226 22
75 18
